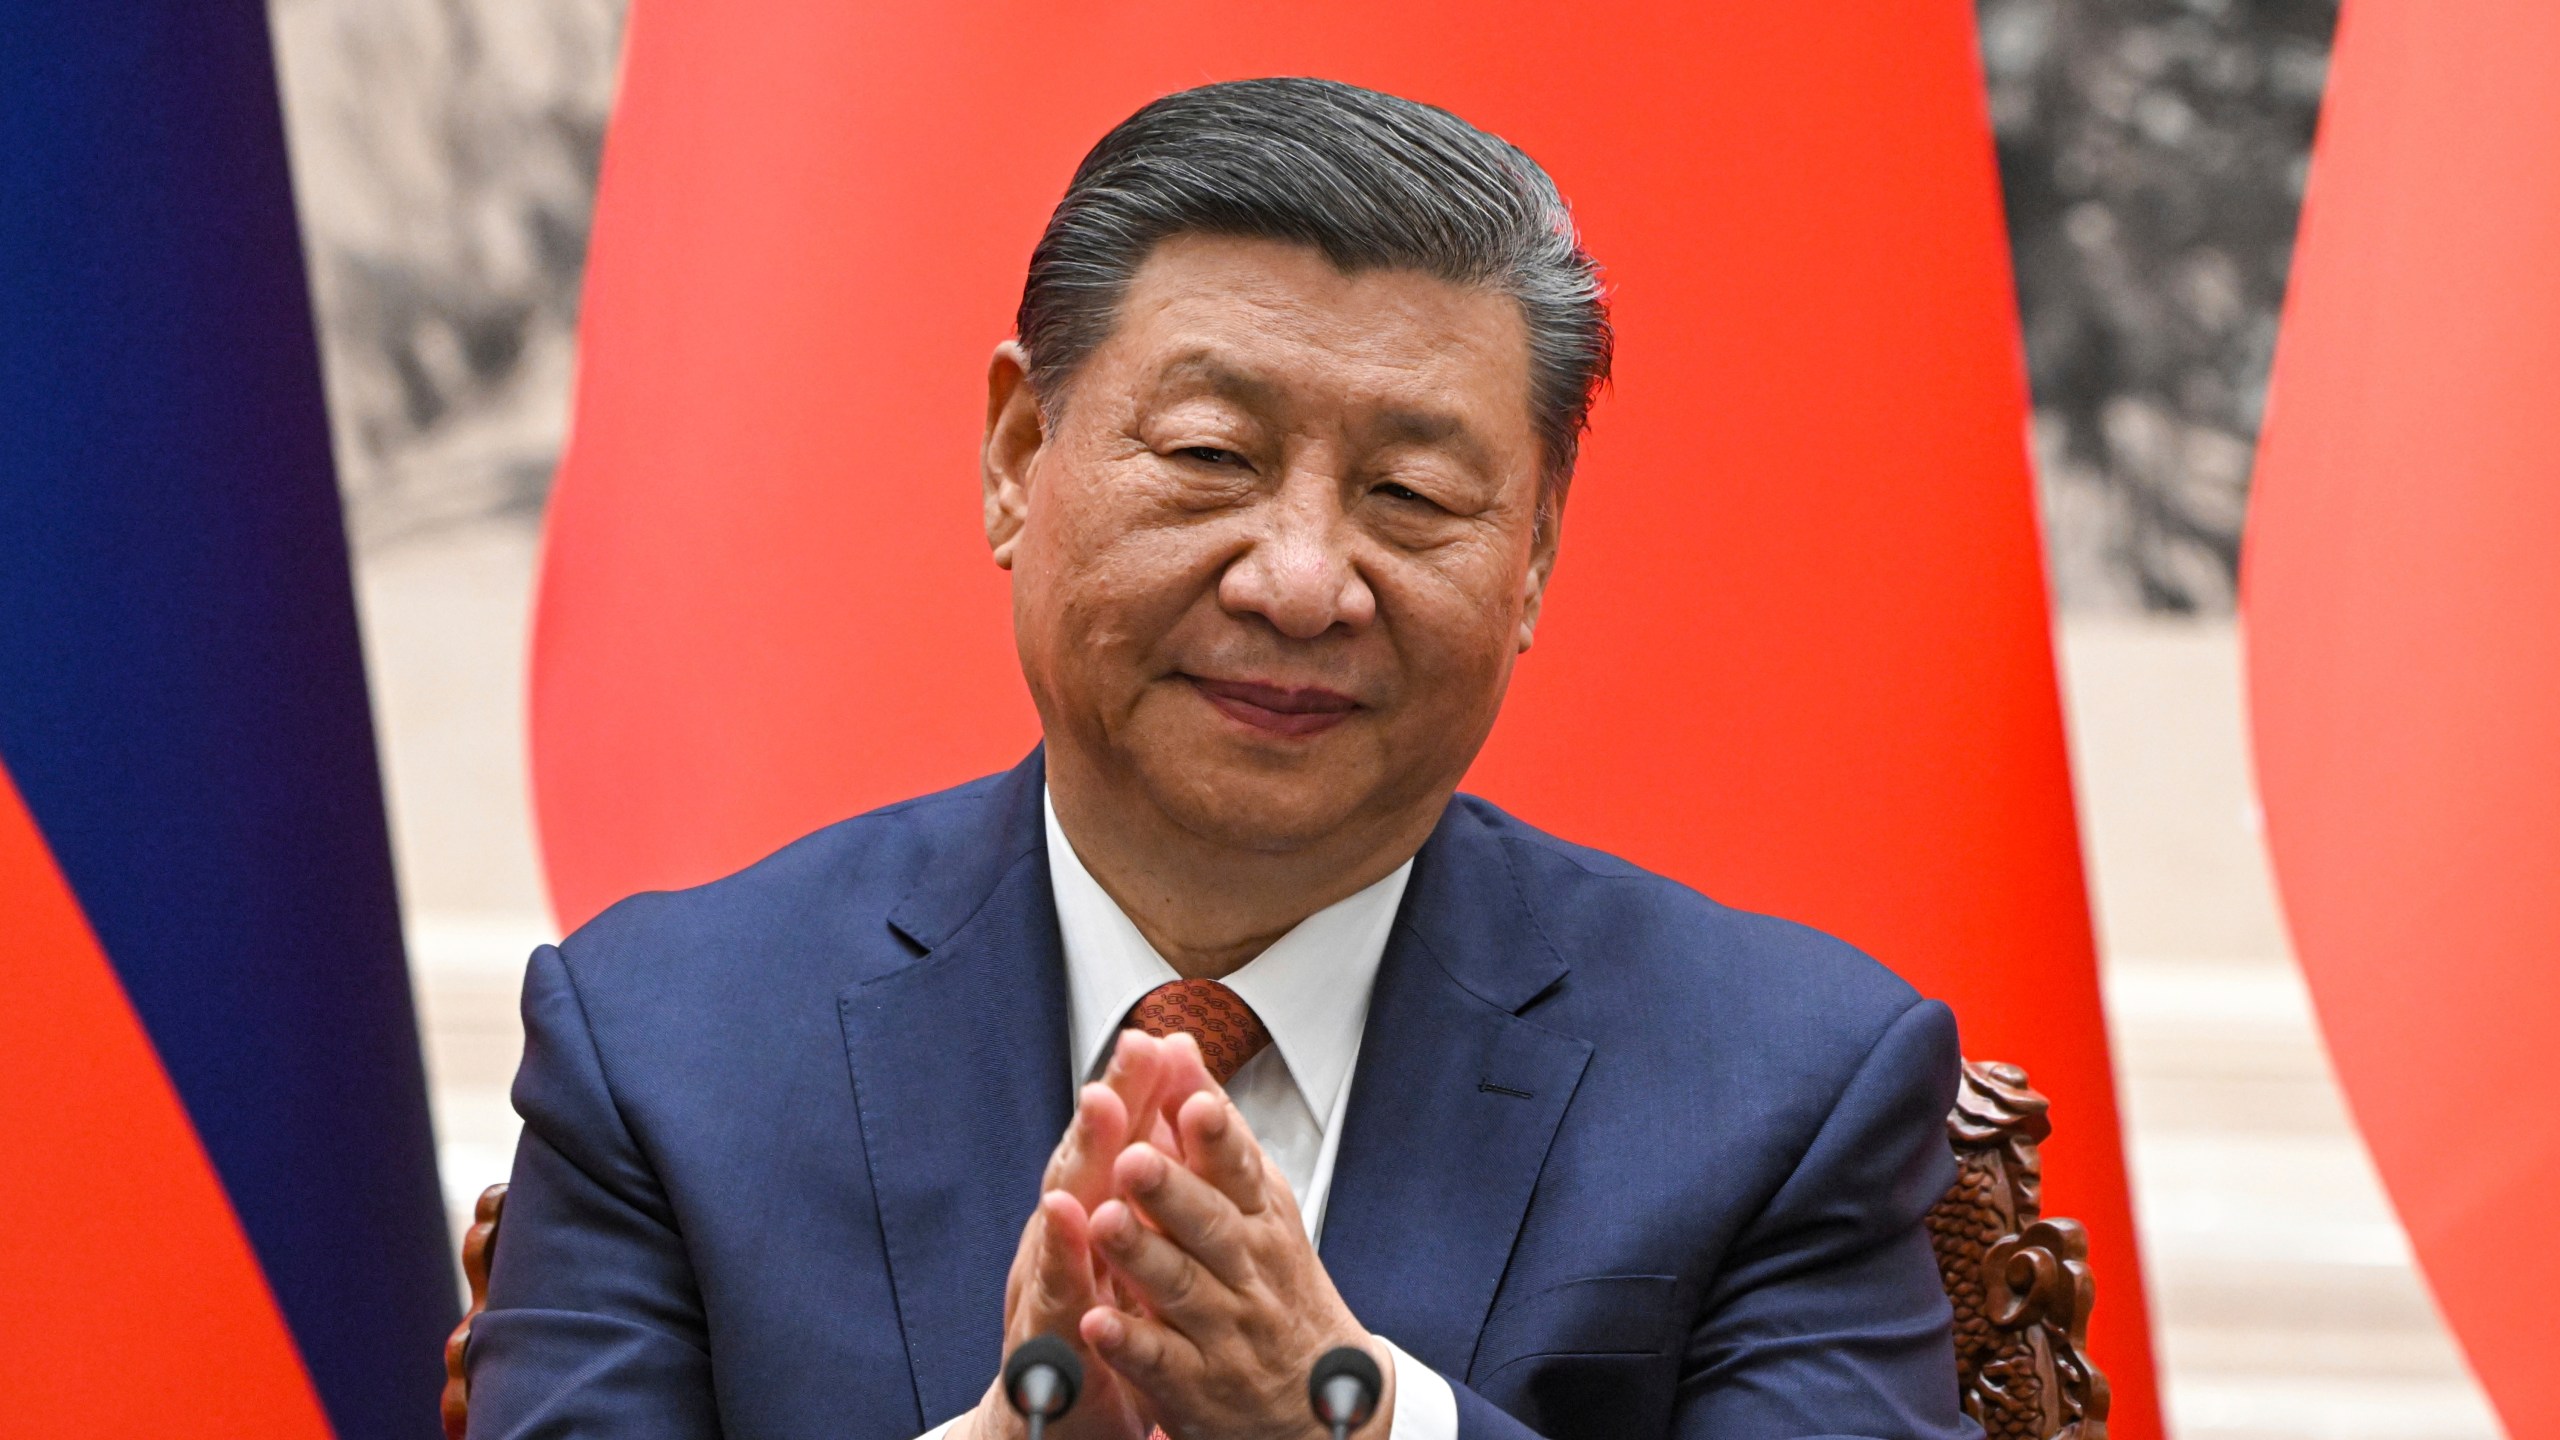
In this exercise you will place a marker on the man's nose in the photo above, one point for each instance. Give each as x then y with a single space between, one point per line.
1299 573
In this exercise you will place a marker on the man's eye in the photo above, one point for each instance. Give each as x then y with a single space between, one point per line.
1394 491
1210 455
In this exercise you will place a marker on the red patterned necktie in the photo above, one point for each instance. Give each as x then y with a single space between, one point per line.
1227 1029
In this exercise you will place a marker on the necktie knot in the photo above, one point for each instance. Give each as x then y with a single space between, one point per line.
1228 1031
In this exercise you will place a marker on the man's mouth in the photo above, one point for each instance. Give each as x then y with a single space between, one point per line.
1280 710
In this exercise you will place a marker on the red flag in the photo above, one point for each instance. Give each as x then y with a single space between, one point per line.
1796 652
2403 606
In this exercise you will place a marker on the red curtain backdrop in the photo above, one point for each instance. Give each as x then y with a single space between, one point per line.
135 1306
2402 597
1797 650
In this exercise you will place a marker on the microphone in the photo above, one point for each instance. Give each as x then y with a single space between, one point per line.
1041 1378
1344 1388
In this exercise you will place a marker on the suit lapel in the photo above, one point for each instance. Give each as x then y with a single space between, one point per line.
960 1077
1454 1104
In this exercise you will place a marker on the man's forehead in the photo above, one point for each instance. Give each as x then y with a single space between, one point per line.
1181 341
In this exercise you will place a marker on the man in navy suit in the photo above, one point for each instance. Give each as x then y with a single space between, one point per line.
1221 1031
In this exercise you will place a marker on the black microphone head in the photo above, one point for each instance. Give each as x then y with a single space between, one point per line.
1344 1387
1042 1376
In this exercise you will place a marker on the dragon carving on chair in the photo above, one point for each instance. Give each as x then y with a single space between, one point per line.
2020 1283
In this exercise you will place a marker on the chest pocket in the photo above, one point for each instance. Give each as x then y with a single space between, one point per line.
1592 1357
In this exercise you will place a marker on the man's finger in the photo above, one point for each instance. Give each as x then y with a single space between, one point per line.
1150 1355
1069 1233
1184 1073
1153 1079
1186 1210
1170 1070
1081 1165
1132 1072
1167 1280
1061 1287
1220 1148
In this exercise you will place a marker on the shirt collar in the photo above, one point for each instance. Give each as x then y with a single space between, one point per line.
1311 988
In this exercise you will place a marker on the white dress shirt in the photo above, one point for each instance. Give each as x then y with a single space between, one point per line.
1311 991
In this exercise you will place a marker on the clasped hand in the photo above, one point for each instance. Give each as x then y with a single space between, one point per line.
1168 1250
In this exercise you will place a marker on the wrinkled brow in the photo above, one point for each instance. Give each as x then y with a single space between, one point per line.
1200 371
1203 372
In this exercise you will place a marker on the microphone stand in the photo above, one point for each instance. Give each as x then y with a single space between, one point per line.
1041 1378
1343 1387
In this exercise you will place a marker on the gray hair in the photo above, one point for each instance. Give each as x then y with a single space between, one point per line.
1374 181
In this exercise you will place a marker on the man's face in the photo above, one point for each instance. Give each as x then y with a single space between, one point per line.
1276 551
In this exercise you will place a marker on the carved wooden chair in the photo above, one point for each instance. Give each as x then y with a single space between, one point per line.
2020 1283
478 1243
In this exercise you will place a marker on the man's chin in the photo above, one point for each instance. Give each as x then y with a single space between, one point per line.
1262 829
1248 807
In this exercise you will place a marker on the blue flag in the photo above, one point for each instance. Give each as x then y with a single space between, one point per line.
182 694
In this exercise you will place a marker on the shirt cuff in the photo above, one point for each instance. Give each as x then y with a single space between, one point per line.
938 1431
1426 1408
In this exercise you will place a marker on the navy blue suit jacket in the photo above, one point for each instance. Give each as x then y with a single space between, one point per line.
1619 1161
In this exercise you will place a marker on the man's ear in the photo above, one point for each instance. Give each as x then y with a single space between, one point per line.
1015 432
1542 564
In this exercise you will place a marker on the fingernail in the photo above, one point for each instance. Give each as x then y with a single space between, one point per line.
1108 1332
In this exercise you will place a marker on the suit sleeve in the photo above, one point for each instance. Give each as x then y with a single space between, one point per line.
1828 1318
594 1324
